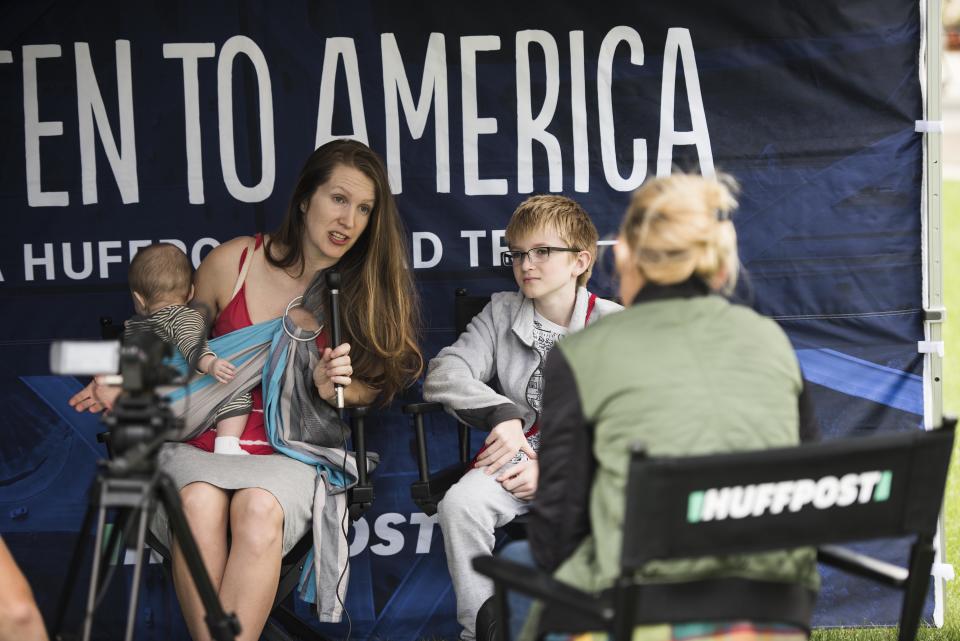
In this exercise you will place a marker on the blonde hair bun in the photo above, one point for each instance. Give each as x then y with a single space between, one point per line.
679 226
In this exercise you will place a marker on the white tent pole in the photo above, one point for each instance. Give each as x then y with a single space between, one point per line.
933 215
932 231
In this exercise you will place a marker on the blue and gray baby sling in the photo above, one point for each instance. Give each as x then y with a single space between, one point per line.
281 356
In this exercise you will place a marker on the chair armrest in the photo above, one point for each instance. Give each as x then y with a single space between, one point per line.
862 565
420 438
360 411
358 433
361 494
427 491
422 408
541 585
107 439
463 439
417 410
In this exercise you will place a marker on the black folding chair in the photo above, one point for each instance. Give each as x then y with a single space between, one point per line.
429 489
862 488
283 622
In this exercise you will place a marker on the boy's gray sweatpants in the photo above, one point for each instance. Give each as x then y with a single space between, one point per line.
469 513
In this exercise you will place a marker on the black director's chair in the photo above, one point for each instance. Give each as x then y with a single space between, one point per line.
428 490
669 515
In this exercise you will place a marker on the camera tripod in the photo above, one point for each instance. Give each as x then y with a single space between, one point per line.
133 485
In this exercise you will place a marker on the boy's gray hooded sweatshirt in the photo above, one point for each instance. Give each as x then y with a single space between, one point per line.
497 345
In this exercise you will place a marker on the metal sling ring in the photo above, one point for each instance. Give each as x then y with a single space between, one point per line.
294 303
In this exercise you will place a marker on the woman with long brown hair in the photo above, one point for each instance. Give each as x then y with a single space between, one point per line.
341 214
379 307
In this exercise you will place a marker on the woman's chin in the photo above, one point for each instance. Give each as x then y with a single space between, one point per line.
328 251
336 252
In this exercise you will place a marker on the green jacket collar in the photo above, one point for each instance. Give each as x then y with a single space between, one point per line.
693 287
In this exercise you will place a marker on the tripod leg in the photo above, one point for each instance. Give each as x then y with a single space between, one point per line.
112 548
97 552
118 535
76 559
137 569
223 626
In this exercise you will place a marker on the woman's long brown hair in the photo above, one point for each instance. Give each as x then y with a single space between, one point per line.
379 309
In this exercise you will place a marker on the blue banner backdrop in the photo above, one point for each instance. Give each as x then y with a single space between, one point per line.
186 122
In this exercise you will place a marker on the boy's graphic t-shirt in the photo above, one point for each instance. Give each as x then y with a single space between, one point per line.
546 333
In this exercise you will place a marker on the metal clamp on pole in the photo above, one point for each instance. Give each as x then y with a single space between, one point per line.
935 315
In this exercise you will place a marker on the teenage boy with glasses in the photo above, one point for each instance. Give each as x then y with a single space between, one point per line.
552 249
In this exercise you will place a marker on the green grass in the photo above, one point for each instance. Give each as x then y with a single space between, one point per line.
951 404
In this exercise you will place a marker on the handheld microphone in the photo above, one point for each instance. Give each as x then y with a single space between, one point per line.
332 278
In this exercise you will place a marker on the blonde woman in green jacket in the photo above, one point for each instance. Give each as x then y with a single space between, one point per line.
681 369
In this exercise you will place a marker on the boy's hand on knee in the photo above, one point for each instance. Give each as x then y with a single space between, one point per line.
521 479
505 440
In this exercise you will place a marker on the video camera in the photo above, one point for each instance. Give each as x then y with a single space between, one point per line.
137 365
138 361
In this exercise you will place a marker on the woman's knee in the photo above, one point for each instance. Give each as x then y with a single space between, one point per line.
21 615
205 507
256 519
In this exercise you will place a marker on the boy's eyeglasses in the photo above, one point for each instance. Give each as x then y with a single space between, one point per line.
536 255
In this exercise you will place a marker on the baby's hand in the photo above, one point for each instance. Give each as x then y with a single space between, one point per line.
222 370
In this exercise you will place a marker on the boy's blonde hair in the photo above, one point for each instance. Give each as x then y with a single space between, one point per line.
561 214
160 270
679 226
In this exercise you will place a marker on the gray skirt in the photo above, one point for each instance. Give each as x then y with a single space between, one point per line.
290 481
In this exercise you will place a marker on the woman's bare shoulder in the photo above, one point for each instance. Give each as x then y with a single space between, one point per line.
225 258
230 250
218 270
